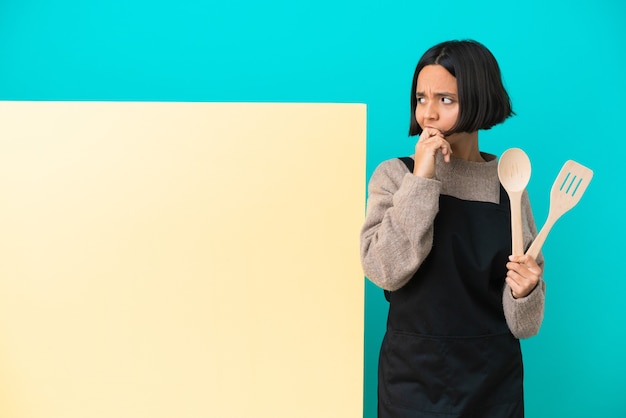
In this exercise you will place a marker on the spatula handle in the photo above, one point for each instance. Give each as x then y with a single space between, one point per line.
535 247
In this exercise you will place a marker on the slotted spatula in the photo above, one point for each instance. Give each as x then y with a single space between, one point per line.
566 191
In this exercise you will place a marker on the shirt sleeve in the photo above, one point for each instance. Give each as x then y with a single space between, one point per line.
397 234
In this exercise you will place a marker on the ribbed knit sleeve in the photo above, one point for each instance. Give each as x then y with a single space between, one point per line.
524 315
397 234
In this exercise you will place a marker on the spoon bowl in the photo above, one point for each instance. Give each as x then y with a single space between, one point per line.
514 173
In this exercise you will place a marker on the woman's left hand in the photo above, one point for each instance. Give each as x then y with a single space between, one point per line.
523 275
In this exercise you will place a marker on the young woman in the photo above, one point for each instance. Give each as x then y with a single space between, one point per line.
437 238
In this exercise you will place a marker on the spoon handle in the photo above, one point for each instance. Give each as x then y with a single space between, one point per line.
517 234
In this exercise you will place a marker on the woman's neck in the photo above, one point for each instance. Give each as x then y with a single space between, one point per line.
465 146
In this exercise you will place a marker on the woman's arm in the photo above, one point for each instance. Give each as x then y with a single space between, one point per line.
397 233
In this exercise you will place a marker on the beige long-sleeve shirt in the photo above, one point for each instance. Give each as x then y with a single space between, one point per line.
397 234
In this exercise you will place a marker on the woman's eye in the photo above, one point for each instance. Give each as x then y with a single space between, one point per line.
421 100
446 100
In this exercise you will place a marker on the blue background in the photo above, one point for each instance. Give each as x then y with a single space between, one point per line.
563 63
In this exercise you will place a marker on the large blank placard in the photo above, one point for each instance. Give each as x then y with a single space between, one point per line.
180 260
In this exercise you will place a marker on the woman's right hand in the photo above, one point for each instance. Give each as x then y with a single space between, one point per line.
429 143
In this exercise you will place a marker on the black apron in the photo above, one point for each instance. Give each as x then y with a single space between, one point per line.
448 351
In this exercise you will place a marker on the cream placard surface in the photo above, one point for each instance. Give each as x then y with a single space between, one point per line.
181 260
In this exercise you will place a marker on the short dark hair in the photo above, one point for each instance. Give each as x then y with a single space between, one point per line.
483 100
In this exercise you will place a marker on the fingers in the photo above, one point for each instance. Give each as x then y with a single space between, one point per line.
516 289
527 262
431 142
523 275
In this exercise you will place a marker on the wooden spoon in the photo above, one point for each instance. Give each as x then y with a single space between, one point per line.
514 173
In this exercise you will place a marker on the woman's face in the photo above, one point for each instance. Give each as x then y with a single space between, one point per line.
437 98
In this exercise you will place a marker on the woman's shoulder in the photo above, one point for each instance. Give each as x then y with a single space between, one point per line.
389 174
394 165
393 168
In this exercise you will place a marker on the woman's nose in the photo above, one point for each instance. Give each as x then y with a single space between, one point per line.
430 110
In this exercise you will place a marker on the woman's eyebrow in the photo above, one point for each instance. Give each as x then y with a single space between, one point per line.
438 94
